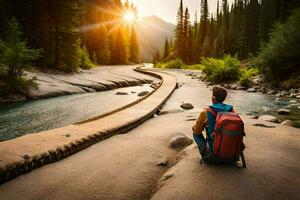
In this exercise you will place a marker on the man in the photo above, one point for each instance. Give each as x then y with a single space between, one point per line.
207 121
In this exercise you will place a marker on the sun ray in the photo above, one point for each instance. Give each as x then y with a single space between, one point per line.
97 25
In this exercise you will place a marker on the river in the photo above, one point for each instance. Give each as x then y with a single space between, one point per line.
256 104
19 119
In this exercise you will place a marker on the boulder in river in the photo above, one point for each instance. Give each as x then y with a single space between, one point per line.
283 111
187 106
179 141
144 93
251 90
269 118
288 123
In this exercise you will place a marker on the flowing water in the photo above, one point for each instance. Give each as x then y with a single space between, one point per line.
22 118
244 102
18 119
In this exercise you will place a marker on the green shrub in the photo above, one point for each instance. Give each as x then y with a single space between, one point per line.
278 59
246 75
14 56
221 70
18 85
173 64
85 61
14 52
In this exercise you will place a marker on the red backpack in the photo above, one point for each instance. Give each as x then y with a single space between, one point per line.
228 136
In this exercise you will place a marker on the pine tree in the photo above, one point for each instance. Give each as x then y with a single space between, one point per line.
14 51
179 33
252 16
204 21
67 37
134 47
242 32
102 49
156 57
166 49
187 37
119 50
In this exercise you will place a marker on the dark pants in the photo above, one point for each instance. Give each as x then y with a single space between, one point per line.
202 144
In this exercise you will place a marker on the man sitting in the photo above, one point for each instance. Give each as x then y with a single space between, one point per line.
207 121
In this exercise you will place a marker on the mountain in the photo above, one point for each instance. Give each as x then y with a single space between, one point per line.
152 32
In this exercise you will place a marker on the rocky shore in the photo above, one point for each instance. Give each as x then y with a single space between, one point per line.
53 84
259 85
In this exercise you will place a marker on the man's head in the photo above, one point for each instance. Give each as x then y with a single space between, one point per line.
219 95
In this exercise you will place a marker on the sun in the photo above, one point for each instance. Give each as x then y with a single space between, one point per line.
129 16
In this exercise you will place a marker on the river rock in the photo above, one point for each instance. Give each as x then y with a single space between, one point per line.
288 123
179 141
187 106
241 88
144 93
251 90
293 102
233 86
295 105
271 92
283 111
121 93
269 118
298 96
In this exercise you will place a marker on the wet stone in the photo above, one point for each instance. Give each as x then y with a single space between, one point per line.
187 106
283 111
251 90
269 118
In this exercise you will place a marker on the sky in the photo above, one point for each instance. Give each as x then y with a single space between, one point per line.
167 9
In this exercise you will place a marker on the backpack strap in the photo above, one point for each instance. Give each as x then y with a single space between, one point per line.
212 111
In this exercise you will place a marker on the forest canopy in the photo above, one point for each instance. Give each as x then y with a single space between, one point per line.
245 29
67 30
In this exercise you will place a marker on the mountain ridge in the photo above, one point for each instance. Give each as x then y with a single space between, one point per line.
152 32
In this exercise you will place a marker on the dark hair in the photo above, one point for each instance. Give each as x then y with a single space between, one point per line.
220 94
